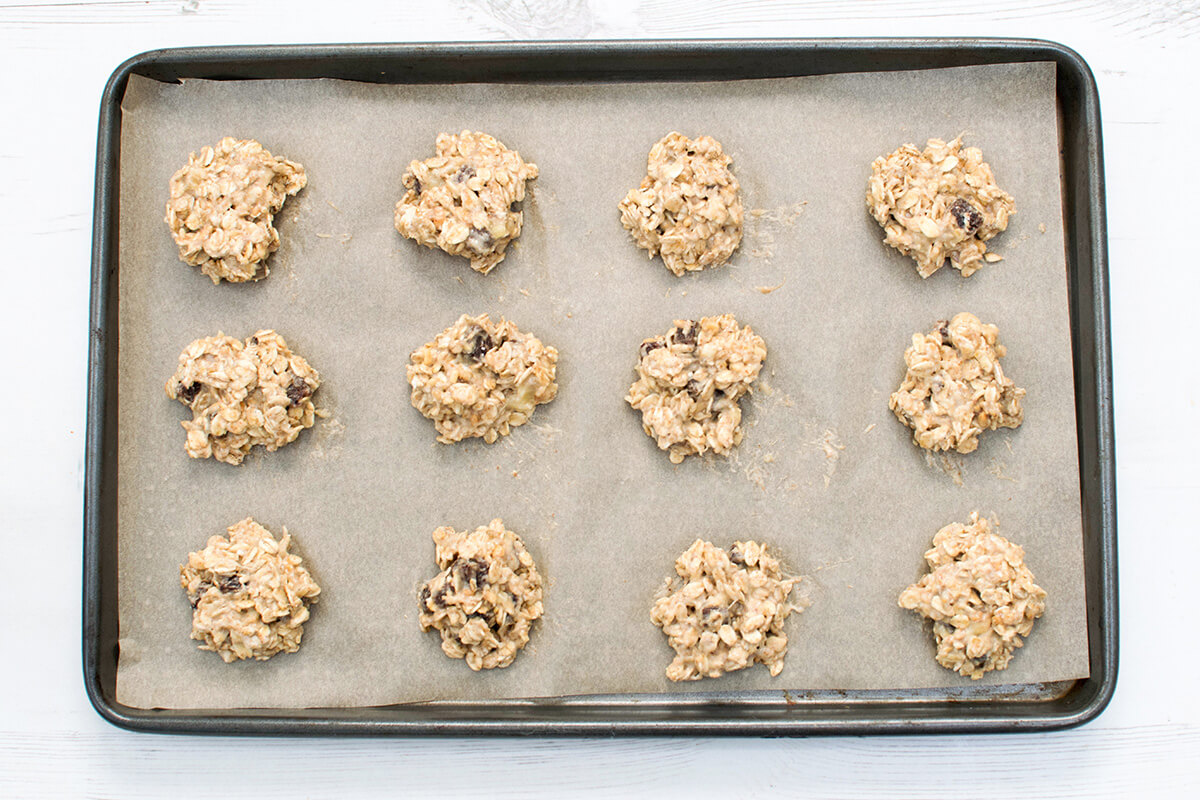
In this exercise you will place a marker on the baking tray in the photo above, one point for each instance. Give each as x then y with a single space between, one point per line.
1036 707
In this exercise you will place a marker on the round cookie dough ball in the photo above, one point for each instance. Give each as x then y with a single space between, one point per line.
725 611
461 200
688 208
486 598
480 378
937 204
955 388
980 596
249 594
690 382
243 394
223 204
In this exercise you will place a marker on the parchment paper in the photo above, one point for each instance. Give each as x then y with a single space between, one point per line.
826 475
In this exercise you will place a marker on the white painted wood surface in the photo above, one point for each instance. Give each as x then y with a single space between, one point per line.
54 59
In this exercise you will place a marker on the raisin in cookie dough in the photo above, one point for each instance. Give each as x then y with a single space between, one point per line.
688 208
485 599
980 596
242 394
690 381
937 204
955 389
480 378
725 611
223 204
249 594
461 200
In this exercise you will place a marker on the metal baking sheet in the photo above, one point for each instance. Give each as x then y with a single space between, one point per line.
675 703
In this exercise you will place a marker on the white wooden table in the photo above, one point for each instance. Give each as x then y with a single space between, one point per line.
54 59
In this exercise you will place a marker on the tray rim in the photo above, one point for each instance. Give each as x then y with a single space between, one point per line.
1083 703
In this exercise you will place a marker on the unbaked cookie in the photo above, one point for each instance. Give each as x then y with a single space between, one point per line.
249 593
725 611
461 200
486 598
243 394
980 596
688 208
955 389
690 381
223 204
939 204
481 378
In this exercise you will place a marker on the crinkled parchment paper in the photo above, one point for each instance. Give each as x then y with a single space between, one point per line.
826 475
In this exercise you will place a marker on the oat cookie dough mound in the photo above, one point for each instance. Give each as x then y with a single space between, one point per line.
690 381
486 597
955 389
222 206
481 378
725 611
461 199
980 596
939 204
688 208
243 394
249 593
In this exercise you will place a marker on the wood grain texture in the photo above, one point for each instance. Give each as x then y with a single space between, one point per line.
54 60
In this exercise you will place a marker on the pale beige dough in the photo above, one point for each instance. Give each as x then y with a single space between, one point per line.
980 596
688 208
725 611
461 200
243 394
249 594
480 378
223 205
937 204
955 388
690 381
486 597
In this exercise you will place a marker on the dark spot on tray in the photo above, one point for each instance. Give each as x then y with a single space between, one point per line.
298 391
966 216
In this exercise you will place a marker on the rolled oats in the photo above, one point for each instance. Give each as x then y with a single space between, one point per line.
249 594
725 611
955 389
243 394
690 381
461 199
481 378
485 599
688 208
939 203
223 204
980 596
